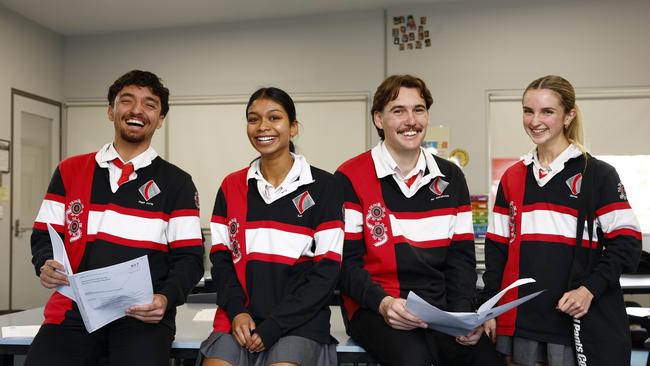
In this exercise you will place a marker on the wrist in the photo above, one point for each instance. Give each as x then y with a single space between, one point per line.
384 305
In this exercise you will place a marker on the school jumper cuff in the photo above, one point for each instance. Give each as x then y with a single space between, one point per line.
234 307
269 331
171 299
374 296
39 262
596 284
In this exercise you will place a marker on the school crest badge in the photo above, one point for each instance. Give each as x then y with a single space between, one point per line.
303 202
438 186
574 184
149 190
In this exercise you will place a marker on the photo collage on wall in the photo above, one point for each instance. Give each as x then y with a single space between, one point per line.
408 34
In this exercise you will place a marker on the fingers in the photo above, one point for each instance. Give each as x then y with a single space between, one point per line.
149 313
51 274
256 344
575 303
491 329
242 328
396 315
146 313
472 338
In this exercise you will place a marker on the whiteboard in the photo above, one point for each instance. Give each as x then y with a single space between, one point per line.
208 138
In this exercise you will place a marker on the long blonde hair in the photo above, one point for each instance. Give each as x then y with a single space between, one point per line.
567 95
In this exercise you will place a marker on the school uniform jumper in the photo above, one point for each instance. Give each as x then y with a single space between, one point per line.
155 214
277 258
400 239
546 242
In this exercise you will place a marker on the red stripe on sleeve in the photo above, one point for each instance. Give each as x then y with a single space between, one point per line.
185 243
629 232
613 207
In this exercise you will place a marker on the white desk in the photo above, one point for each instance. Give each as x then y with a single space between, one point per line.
189 335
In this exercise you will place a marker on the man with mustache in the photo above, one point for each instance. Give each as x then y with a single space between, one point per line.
118 204
408 227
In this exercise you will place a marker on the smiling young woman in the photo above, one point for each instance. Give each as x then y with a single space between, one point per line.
277 226
536 230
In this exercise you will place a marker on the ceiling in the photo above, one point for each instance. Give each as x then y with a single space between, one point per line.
82 17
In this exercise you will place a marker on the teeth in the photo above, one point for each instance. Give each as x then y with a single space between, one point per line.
409 133
265 138
132 121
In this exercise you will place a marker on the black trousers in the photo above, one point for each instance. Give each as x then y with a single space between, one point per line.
417 347
126 341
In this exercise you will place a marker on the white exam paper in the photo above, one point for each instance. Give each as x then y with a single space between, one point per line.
460 324
61 256
104 294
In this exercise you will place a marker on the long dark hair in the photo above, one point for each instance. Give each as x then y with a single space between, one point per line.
282 98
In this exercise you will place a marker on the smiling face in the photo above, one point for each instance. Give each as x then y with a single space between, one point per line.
136 114
404 121
269 129
544 118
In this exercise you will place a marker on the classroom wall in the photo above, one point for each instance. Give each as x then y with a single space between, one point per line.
489 45
327 53
476 46
32 61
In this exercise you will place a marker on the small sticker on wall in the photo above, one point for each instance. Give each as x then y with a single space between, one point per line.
407 33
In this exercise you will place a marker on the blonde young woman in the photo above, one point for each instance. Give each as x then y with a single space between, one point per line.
540 204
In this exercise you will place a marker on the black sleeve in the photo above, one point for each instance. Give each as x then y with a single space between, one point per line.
52 211
356 281
460 266
618 229
496 247
185 255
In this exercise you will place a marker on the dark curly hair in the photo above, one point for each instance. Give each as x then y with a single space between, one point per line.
141 78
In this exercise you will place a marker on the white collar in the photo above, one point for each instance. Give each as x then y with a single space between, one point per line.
385 166
108 153
556 166
299 175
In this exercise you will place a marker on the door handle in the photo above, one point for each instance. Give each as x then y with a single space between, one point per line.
18 230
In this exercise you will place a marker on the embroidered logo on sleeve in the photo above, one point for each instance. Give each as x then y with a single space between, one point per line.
621 191
196 199
303 202
438 186
75 209
574 184
149 190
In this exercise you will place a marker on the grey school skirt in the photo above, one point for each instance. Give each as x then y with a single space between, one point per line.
300 350
528 352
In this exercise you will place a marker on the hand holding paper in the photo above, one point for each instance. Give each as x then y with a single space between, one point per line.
461 324
104 294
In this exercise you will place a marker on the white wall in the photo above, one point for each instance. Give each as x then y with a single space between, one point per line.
32 61
329 53
480 46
